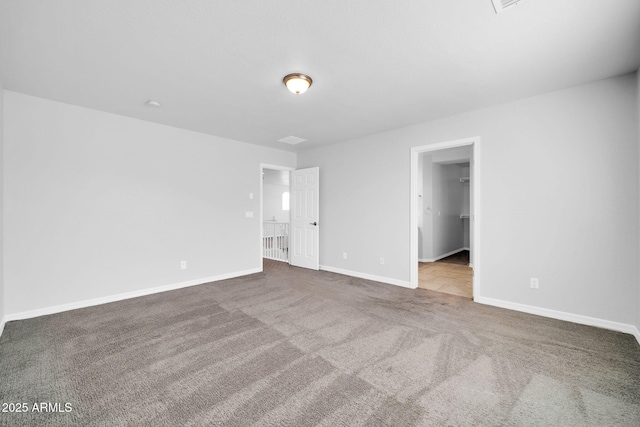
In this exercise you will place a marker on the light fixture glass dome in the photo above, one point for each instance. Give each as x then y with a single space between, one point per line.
297 83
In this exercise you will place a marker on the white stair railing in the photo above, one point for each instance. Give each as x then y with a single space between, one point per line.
275 240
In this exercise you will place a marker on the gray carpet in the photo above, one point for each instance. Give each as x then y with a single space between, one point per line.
293 347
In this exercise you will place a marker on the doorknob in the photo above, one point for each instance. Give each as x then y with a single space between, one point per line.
313 223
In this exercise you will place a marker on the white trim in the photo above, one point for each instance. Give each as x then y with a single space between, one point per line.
444 256
474 142
448 254
276 167
561 315
366 276
119 297
2 322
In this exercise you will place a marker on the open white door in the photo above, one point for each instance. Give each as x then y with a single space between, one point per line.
304 218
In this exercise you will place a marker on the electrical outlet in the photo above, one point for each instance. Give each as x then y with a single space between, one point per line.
534 283
183 265
344 255
381 261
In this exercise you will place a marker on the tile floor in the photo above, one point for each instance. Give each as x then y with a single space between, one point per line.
444 277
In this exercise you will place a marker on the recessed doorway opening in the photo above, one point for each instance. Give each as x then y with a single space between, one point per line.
444 217
275 212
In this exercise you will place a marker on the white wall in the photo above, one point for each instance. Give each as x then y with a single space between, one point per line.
559 198
98 204
272 202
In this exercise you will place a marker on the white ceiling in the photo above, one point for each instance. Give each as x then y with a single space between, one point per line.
217 66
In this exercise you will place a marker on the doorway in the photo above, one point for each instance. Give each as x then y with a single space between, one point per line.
275 212
289 214
444 222
305 216
444 203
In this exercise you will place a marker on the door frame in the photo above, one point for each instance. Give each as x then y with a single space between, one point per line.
475 217
264 166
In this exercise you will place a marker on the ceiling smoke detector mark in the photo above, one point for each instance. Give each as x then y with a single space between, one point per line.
502 5
293 140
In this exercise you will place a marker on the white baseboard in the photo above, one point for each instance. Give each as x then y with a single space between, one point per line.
2 322
561 315
372 277
119 297
439 257
448 254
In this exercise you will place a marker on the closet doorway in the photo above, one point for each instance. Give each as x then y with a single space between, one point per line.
444 211
443 225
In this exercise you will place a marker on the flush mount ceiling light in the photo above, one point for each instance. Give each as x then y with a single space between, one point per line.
297 83
153 104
